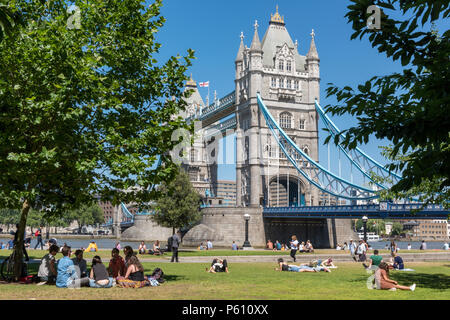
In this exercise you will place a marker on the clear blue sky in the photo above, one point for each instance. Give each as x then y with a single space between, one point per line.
212 29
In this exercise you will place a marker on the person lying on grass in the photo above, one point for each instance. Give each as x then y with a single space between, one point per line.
383 282
328 263
218 265
316 265
283 266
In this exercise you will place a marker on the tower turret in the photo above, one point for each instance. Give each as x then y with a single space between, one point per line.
312 61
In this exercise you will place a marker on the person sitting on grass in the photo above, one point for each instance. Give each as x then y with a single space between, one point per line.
128 252
92 247
277 245
218 265
234 246
156 248
301 247
81 263
99 277
134 277
47 268
269 245
202 247
142 248
309 247
374 261
116 266
383 282
283 266
397 262
67 276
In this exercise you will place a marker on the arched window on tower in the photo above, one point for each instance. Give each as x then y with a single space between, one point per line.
306 150
281 65
285 120
193 155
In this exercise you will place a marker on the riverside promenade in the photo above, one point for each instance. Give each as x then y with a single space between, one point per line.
301 258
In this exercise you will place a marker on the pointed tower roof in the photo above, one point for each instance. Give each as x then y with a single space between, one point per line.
275 37
256 44
240 54
312 53
195 98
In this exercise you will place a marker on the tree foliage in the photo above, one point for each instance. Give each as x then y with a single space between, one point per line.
425 192
86 215
411 109
397 229
8 19
373 225
82 106
179 203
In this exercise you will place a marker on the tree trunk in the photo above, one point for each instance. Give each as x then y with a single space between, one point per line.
18 249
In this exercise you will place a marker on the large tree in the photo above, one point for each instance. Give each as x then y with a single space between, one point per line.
179 203
82 103
411 109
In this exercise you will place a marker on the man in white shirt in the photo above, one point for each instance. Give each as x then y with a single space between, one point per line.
361 251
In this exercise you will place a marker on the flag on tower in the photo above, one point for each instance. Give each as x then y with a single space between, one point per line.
204 84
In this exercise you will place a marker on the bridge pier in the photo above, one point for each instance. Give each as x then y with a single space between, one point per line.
223 225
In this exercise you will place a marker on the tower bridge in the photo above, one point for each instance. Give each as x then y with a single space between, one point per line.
274 112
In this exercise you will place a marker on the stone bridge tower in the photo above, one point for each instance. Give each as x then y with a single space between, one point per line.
288 83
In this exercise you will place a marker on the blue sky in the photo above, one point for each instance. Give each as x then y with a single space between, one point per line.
212 29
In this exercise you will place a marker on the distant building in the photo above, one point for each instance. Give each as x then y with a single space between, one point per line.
109 210
432 230
327 200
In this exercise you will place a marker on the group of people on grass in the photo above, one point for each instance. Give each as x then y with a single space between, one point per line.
73 273
294 245
155 250
208 245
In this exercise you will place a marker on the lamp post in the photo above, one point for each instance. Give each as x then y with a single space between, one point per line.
364 220
246 242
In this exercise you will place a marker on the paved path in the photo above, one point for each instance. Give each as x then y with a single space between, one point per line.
407 257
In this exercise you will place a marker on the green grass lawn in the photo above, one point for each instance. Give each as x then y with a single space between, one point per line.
256 281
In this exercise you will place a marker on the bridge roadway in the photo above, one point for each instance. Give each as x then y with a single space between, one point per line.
383 210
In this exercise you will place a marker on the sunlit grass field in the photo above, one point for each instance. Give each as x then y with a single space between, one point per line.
256 281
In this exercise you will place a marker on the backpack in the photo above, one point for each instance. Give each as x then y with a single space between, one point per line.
36 233
158 275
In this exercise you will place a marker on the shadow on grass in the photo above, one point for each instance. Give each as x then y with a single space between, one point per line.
173 277
423 280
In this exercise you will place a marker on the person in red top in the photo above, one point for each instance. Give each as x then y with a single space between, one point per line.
116 264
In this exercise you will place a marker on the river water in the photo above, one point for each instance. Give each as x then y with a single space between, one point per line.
110 243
